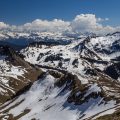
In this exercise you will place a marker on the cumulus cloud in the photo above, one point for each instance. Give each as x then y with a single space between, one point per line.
80 24
3 25
44 25
89 23
85 23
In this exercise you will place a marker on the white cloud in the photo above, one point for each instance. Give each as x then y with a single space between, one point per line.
44 25
85 23
80 24
3 25
102 19
106 19
89 23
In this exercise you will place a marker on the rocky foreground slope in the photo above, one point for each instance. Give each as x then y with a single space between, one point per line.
78 80
15 73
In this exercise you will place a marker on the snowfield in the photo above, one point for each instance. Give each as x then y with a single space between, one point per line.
46 102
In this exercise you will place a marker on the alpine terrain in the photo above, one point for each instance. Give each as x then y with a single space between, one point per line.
53 76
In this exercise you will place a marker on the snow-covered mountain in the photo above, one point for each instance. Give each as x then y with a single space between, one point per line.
78 76
20 38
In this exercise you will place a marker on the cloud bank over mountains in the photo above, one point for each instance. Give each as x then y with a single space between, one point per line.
80 24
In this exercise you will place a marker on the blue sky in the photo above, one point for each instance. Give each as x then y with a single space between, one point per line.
21 11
